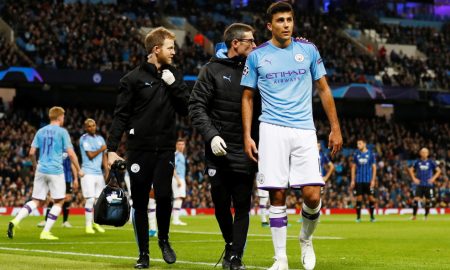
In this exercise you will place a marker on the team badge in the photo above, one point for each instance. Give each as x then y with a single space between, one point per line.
135 168
299 57
211 172
260 178
246 71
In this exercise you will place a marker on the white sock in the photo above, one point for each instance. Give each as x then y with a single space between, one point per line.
52 216
263 208
25 211
152 214
176 208
310 220
278 223
89 211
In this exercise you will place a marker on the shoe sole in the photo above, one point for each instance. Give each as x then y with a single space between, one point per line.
10 232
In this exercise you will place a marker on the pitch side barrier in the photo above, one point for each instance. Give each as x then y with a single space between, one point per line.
12 211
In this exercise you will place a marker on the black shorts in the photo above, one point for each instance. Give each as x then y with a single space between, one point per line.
69 189
363 189
426 192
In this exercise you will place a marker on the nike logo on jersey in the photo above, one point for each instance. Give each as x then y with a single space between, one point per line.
227 78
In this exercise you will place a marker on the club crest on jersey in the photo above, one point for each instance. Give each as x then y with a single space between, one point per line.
299 57
260 178
211 172
135 168
245 71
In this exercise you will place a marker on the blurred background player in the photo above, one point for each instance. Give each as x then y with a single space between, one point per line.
52 141
92 148
326 166
424 173
71 177
152 214
263 200
179 182
363 175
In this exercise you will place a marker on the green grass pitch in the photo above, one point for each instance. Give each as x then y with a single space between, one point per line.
393 242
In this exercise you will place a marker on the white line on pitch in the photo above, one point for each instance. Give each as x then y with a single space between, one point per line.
218 233
111 256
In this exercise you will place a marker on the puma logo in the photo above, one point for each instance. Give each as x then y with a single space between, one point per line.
227 78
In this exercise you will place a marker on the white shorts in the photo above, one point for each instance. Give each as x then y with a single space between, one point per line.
288 157
263 193
179 191
92 185
43 183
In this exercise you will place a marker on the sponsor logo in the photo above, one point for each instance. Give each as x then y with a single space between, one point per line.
299 57
285 74
212 172
135 168
227 78
148 84
268 61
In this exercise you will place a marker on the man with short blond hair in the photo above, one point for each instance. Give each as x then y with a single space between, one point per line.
149 96
52 141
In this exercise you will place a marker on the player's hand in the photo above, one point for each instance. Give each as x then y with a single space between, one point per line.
103 148
112 156
335 141
179 184
75 185
352 185
250 149
416 181
431 181
168 77
80 173
218 146
372 184
325 179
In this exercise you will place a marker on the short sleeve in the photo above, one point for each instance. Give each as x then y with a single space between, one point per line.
35 142
250 72
317 67
66 140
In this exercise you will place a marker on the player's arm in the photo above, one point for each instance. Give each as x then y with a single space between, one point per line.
352 175
32 155
75 177
74 159
412 174
105 165
374 175
177 178
335 138
247 117
92 154
122 115
329 171
437 173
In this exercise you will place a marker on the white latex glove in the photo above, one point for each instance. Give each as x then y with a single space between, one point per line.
167 77
218 146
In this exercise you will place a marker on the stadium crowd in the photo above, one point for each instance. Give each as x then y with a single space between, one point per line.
114 42
394 143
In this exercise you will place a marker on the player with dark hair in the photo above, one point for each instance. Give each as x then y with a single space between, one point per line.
424 173
363 177
283 70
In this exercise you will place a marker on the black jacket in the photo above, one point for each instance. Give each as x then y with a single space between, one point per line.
215 110
146 108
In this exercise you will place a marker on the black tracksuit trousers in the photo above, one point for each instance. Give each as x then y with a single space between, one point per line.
145 169
232 187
